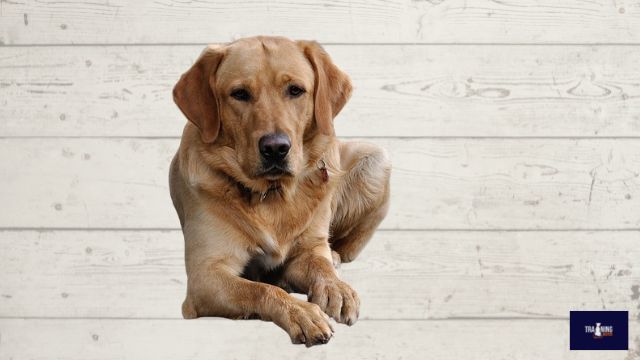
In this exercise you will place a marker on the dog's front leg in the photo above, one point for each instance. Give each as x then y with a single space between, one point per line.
214 289
311 270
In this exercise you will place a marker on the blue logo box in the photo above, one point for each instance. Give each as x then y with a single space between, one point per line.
599 330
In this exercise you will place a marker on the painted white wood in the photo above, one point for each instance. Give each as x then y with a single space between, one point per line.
436 183
399 90
400 275
379 21
492 126
252 339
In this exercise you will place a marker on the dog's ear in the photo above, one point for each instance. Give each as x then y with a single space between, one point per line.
332 86
195 93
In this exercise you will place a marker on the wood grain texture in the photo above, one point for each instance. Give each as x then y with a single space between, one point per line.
520 115
400 275
436 183
437 21
215 339
409 91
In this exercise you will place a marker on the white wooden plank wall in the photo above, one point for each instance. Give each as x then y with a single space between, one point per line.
513 126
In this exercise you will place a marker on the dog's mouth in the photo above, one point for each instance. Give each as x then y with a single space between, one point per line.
274 172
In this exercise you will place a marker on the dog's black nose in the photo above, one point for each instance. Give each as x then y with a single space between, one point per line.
274 147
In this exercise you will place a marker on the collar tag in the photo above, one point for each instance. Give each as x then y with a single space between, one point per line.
324 174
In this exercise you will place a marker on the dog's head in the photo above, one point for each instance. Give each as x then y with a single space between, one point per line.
263 97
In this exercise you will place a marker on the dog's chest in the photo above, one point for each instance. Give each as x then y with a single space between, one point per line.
278 221
283 222
277 234
288 219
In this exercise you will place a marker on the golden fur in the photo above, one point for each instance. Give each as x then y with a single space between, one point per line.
250 236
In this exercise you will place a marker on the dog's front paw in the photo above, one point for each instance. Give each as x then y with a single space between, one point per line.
337 299
306 324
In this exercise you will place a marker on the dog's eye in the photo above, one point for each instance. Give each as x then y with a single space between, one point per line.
295 91
241 95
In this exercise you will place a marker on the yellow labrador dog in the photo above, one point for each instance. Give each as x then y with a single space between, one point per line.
269 200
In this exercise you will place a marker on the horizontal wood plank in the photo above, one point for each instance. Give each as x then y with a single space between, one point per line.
436 183
379 21
554 91
400 275
215 339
